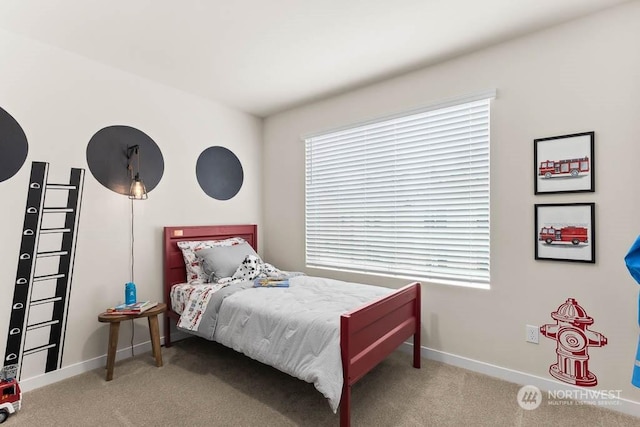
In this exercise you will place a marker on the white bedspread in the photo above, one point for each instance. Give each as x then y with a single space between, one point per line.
295 329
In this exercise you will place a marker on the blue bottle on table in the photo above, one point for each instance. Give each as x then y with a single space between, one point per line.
130 293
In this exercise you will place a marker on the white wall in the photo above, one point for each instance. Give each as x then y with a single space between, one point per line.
61 100
581 76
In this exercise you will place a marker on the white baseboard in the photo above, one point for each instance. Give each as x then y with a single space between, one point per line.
618 404
65 372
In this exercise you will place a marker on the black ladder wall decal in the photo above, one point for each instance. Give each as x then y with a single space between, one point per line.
27 280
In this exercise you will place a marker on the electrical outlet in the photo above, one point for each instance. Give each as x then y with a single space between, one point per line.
532 334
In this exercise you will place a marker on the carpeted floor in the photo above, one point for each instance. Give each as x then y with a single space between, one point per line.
206 384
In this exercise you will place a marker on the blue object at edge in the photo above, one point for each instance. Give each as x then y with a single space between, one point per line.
635 378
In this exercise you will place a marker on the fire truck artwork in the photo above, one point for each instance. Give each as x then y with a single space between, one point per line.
11 397
573 341
570 234
565 167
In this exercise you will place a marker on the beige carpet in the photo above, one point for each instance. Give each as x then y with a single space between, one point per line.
206 384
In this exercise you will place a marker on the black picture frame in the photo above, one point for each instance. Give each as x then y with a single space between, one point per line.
564 164
565 232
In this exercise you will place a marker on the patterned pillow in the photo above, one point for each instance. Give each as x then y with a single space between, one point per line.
193 265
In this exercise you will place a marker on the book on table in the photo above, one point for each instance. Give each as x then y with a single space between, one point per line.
134 308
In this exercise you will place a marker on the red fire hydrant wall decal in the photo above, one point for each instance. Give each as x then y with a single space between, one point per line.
573 342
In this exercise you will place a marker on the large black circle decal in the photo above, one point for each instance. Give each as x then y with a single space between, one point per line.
107 158
13 146
219 173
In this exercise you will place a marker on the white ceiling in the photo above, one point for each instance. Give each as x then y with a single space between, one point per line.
264 56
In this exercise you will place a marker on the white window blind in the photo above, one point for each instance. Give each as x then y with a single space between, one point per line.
406 196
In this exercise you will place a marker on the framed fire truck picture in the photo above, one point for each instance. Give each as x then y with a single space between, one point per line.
565 232
564 164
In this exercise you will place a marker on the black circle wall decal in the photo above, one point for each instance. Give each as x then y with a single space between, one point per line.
107 158
13 146
219 173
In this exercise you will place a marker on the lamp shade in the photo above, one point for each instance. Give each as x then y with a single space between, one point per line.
137 191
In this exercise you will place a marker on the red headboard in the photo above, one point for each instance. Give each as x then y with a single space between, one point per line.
174 270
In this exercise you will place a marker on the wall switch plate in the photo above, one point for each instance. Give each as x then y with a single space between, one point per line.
532 334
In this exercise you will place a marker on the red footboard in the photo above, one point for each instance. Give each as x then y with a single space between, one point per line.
371 333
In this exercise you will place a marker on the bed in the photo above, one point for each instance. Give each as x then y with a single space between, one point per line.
367 334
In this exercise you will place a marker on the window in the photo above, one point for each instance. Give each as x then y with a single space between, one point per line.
406 196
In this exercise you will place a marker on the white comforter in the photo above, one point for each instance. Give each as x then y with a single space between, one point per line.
295 329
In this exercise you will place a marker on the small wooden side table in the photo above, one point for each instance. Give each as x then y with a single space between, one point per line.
114 329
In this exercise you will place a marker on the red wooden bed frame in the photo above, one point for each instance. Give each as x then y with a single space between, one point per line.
367 335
